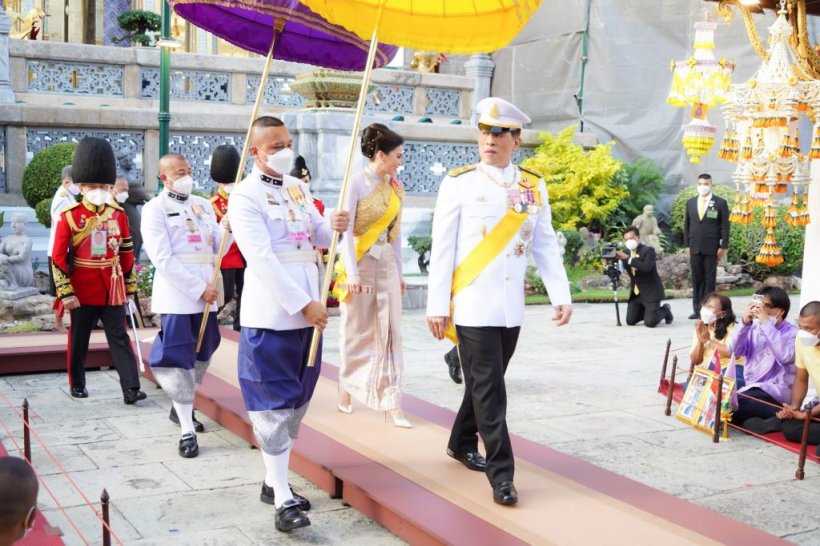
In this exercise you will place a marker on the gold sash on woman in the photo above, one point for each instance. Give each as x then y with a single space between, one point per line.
364 242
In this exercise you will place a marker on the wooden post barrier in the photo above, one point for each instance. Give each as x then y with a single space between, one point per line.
106 527
668 410
804 447
26 433
718 407
663 368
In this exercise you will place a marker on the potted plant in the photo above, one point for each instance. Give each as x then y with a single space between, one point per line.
142 26
421 244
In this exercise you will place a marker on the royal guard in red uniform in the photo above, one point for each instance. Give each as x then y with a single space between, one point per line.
225 162
93 268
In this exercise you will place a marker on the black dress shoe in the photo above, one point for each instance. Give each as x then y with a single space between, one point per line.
505 493
188 447
198 427
289 517
79 392
471 459
267 497
132 396
453 366
669 318
693 316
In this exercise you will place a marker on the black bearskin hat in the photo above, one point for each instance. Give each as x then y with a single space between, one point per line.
224 164
94 162
300 169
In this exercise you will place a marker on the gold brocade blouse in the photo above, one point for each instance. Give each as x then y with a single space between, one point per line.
372 207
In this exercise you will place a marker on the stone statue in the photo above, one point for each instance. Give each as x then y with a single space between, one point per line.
125 164
16 272
589 239
427 61
647 224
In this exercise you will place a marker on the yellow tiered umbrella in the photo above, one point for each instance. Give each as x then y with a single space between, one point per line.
444 26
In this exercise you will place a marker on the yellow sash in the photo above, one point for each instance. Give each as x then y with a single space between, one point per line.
490 246
364 242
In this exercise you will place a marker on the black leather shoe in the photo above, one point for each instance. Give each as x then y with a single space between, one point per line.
132 396
289 517
505 493
471 459
453 367
188 447
198 427
267 497
79 392
669 318
693 316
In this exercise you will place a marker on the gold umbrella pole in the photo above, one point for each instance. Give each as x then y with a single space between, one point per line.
278 26
331 258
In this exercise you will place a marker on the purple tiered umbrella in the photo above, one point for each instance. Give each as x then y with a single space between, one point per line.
306 38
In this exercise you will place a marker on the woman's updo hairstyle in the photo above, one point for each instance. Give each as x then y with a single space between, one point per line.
377 137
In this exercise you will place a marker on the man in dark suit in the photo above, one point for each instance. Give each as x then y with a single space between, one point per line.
646 290
706 235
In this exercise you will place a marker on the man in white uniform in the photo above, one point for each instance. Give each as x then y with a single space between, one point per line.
489 219
65 196
181 236
276 226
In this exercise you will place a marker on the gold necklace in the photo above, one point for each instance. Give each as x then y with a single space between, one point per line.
501 183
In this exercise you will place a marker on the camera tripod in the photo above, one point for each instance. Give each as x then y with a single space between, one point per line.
614 273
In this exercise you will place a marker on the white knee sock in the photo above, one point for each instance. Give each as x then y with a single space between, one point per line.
185 415
276 476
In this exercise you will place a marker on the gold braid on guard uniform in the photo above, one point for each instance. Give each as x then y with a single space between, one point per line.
62 282
127 245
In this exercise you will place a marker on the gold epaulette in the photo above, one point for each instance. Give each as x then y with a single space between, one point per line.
532 172
69 207
458 171
115 206
214 198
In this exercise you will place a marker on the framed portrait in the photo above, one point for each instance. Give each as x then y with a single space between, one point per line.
698 408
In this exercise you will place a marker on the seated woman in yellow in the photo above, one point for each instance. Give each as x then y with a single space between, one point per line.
712 334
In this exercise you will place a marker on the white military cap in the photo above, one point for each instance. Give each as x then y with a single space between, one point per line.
498 115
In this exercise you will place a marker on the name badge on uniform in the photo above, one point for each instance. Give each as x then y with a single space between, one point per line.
271 199
99 243
193 237
296 227
711 213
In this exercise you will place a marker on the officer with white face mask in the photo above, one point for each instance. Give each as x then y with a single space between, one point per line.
65 196
646 292
807 361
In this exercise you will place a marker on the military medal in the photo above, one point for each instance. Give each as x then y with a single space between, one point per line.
527 230
519 248
297 196
271 199
483 231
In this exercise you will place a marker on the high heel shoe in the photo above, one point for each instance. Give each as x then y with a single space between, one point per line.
397 418
344 408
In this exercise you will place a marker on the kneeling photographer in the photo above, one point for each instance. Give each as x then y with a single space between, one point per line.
646 291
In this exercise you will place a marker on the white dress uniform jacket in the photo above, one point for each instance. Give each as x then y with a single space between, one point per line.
62 199
181 239
269 226
468 207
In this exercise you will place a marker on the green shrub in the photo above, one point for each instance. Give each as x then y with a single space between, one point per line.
43 212
421 244
534 279
679 205
745 241
42 175
645 182
21 328
141 25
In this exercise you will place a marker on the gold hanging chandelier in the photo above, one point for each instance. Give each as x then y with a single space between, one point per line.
761 136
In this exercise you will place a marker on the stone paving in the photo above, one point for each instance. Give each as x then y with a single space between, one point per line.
588 389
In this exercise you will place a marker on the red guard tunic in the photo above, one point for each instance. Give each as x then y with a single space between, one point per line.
95 279
233 257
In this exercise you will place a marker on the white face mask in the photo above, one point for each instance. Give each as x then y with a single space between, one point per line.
704 190
631 244
122 197
807 338
280 162
707 315
183 185
97 197
73 189
228 188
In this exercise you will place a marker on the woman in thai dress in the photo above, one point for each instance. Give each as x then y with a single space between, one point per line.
369 282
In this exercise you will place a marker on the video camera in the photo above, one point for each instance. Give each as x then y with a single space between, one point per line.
613 271
608 251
